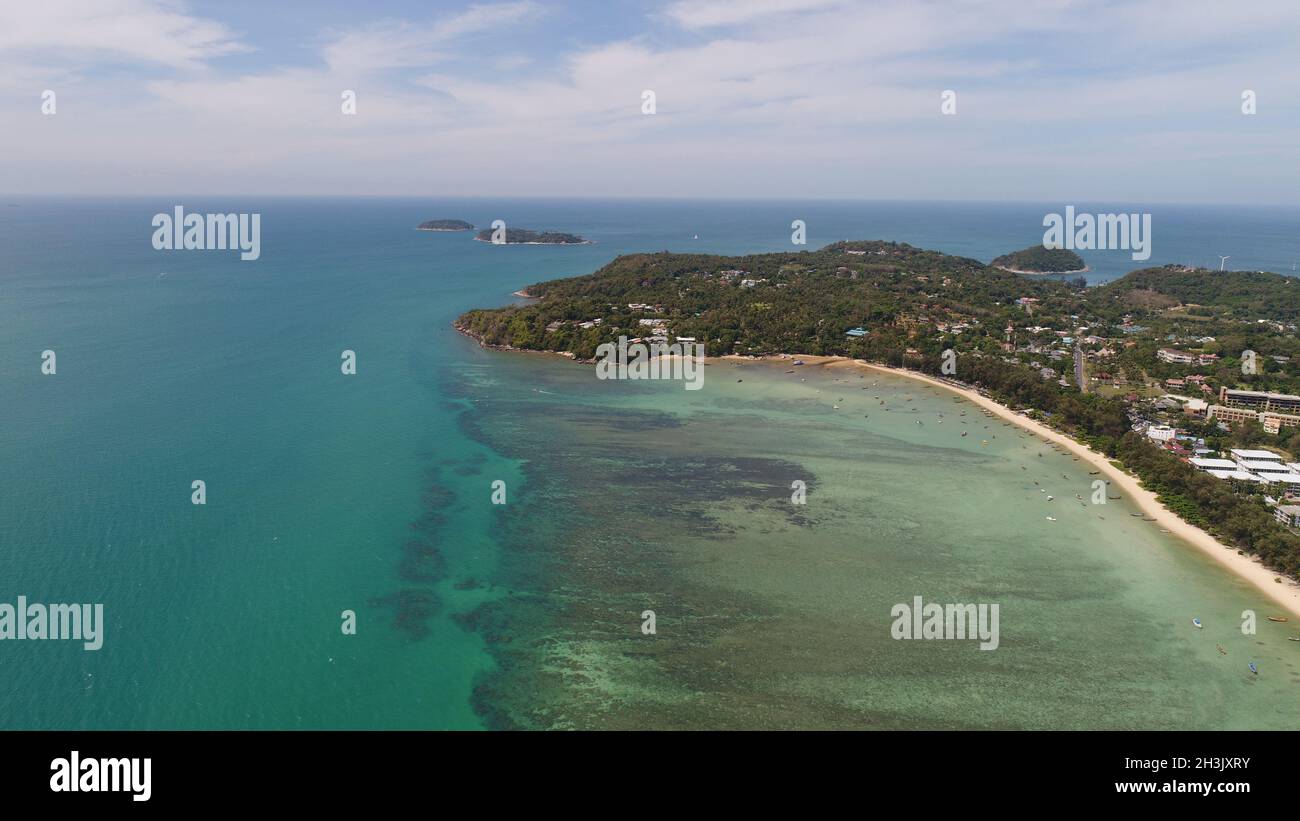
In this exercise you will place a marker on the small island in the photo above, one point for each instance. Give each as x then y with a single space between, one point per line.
445 225
520 236
1039 260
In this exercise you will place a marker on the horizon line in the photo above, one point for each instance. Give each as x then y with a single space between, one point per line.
612 198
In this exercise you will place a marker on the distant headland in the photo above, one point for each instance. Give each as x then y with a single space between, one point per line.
1039 260
445 225
521 236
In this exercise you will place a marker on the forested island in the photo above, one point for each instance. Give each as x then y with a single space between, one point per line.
521 236
445 225
1039 260
1015 339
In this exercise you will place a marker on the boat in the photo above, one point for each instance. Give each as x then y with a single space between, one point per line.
1051 518
1253 668
1139 515
1293 638
1277 618
1222 652
1197 624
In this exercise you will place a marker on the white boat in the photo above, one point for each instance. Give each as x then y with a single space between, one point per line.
1197 624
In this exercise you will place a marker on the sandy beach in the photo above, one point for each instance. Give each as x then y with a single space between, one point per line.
1286 593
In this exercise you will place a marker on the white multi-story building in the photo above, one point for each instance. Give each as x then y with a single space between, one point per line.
1244 455
1161 433
1288 515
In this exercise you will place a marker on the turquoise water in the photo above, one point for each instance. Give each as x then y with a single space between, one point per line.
370 492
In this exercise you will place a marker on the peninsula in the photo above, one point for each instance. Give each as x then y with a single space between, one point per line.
1147 347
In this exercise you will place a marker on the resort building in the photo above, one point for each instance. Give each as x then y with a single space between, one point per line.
1271 421
1237 476
1290 481
1266 469
1242 454
1288 515
1274 422
1231 415
1161 433
1260 400
1175 356
1208 465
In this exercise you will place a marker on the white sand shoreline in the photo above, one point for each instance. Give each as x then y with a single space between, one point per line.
1085 269
1285 594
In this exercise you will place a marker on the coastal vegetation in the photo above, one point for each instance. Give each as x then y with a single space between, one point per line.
522 236
1039 260
905 306
1223 294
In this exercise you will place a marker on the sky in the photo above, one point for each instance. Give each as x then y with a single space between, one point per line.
1053 100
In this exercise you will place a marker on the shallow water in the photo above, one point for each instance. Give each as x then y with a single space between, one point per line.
772 614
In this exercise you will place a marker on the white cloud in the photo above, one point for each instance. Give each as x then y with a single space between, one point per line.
141 31
398 44
791 98
717 13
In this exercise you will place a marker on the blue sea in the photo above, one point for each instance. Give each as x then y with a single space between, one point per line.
370 493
